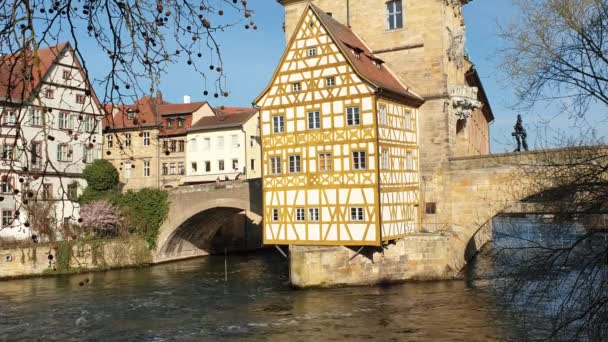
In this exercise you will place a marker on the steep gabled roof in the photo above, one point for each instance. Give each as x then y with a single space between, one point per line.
365 65
227 117
22 74
143 112
180 108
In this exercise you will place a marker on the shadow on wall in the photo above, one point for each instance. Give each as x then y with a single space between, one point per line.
213 230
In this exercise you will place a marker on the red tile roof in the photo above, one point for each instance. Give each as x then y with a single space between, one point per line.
152 112
224 118
366 64
14 85
144 115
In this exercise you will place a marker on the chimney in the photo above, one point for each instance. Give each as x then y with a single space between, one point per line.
186 99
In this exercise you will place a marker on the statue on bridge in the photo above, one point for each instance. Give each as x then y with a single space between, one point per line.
520 135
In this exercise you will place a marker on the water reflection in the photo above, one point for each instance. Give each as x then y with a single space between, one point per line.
190 301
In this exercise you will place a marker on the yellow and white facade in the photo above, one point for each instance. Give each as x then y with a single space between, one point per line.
339 151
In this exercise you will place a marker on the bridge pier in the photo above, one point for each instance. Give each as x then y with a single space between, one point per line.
431 256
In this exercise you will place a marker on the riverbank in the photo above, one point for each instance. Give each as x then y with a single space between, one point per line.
67 257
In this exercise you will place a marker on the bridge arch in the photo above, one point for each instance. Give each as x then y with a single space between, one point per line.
198 213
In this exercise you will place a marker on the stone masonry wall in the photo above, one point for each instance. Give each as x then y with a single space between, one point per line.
85 256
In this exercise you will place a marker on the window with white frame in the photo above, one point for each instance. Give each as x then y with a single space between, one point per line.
64 120
127 139
181 168
252 165
220 165
127 169
64 152
110 140
313 214
385 161
357 214
352 116
36 154
314 120
7 217
382 115
193 167
296 86
206 144
330 81
164 169
278 124
275 215
252 139
294 164
207 166
234 141
359 160
5 185
394 14
172 169
325 162
6 152
275 165
409 160
49 93
146 138
9 118
408 120
89 154
312 52
220 143
146 168
88 123
47 191
35 117
235 164
300 214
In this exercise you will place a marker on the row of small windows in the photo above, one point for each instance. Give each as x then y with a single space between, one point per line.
169 169
128 168
325 162
127 140
65 120
357 214
50 94
65 153
219 142
329 82
353 118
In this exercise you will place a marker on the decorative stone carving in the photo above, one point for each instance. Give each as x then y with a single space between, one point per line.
463 100
456 52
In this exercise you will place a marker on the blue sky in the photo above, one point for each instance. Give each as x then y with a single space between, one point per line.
250 58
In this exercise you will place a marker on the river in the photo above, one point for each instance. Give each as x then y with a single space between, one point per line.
190 301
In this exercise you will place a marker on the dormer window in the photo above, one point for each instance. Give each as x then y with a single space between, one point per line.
312 52
377 62
169 123
180 122
130 114
357 51
296 87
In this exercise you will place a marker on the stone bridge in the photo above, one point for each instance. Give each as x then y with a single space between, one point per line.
466 193
197 214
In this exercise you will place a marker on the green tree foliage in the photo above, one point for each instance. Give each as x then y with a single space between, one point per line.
101 175
144 212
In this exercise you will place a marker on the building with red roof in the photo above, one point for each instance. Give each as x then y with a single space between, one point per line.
50 129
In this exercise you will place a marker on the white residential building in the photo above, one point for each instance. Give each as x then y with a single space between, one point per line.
50 130
223 144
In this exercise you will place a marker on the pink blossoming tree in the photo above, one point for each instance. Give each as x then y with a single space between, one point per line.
101 216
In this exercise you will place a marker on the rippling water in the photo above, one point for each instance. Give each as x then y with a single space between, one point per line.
189 301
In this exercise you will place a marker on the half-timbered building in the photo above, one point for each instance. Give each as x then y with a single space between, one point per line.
339 142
